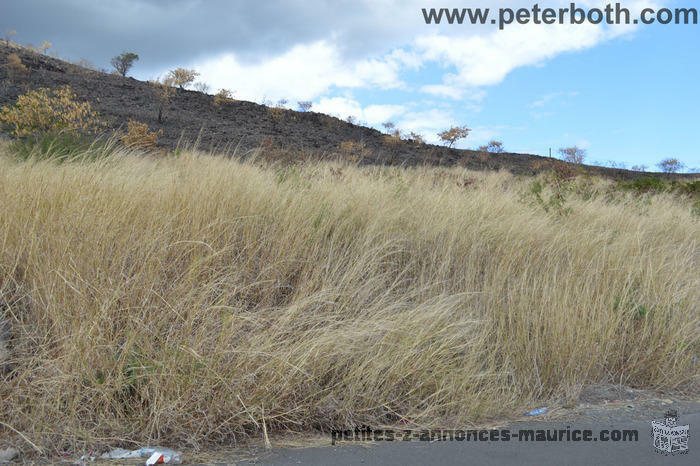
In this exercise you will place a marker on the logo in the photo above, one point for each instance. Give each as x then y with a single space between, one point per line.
670 438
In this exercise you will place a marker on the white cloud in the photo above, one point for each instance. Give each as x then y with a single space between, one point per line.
343 107
302 73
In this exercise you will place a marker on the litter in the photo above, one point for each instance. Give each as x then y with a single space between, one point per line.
536 412
155 455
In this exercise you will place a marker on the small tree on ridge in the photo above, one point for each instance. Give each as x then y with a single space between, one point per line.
122 63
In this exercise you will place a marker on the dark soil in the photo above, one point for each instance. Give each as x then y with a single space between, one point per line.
192 117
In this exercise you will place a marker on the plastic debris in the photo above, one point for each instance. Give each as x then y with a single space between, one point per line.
8 455
155 455
164 455
536 412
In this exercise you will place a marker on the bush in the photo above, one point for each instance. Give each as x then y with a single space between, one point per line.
573 154
182 77
164 91
137 136
47 110
305 106
494 147
15 68
223 96
649 184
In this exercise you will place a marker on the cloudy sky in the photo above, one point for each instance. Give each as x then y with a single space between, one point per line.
627 94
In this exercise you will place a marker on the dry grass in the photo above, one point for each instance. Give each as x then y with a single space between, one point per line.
194 300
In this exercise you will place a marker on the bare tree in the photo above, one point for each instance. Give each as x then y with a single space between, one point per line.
305 105
573 154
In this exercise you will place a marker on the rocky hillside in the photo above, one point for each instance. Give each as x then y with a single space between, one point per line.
192 116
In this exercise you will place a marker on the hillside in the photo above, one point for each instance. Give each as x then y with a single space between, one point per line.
192 116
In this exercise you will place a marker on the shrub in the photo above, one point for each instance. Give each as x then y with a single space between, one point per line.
670 165
305 106
452 135
645 185
353 150
164 91
138 136
122 63
495 147
47 110
182 77
16 70
573 154
416 138
224 95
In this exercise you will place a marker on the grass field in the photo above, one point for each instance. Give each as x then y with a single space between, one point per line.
192 300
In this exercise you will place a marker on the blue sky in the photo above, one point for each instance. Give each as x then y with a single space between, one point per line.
627 94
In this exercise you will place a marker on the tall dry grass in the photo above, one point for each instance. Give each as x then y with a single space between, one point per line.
196 300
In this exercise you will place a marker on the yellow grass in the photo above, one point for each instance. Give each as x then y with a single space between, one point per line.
194 300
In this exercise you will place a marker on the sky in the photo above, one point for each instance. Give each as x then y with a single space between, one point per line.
628 94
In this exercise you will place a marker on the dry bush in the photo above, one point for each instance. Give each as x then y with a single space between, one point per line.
138 136
353 151
182 77
223 96
164 91
192 301
48 110
16 70
415 138
493 147
560 170
276 112
573 154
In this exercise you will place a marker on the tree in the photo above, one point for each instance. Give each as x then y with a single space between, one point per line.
670 165
122 63
182 77
572 154
452 135
639 168
495 147
388 126
305 105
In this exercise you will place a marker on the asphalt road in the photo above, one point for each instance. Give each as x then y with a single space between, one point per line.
418 452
